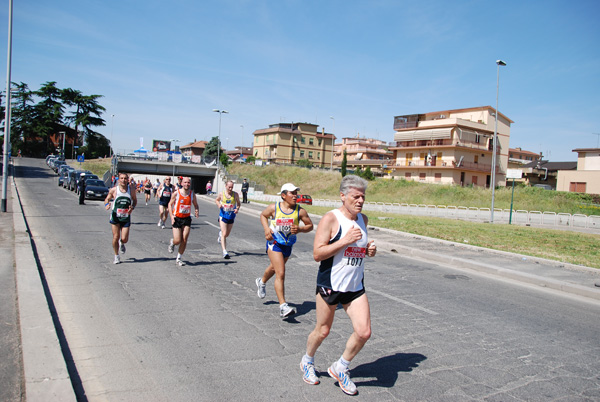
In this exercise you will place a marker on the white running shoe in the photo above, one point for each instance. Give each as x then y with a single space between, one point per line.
262 288
117 260
226 255
285 310
179 262
122 247
163 226
309 375
171 246
343 379
160 223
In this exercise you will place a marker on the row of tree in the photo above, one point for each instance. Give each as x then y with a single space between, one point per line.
38 118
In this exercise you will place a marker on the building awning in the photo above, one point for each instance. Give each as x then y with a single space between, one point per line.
429 134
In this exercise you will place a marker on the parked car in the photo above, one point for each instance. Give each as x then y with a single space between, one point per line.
95 189
57 164
74 178
48 158
64 175
304 199
87 176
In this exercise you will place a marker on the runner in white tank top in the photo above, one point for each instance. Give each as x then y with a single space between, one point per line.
341 245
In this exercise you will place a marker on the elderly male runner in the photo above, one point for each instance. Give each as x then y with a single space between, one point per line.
341 245
164 193
281 233
124 202
180 209
229 205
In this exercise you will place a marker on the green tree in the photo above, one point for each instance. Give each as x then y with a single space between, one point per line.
224 159
251 159
344 163
212 147
368 175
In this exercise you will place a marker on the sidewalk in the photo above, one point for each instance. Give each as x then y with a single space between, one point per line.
40 365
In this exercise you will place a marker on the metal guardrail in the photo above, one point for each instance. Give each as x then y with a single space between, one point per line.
467 213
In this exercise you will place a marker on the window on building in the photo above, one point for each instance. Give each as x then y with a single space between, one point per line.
422 176
477 138
319 142
318 155
407 175
438 177
577 187
293 152
301 153
302 140
310 154
476 159
474 180
311 141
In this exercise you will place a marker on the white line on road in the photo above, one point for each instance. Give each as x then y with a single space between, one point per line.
426 310
212 224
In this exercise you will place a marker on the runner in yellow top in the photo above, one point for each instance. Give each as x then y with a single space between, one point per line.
229 205
281 233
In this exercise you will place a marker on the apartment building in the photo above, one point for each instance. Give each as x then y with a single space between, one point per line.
451 147
586 178
362 149
289 142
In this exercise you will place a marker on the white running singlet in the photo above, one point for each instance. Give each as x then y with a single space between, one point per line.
344 272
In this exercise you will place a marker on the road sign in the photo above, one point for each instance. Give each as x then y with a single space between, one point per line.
80 158
514 173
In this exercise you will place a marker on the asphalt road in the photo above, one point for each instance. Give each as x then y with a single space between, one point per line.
148 330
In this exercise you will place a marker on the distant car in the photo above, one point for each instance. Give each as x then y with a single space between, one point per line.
74 178
57 164
88 175
64 175
544 186
304 199
95 189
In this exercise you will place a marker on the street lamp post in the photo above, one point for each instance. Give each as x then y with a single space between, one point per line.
173 159
219 138
242 137
493 183
332 146
112 126
64 134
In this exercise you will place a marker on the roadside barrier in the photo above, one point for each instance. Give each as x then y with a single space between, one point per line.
520 216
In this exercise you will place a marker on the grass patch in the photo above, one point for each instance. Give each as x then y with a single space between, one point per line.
559 245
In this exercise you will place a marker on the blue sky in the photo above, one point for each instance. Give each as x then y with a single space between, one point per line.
163 66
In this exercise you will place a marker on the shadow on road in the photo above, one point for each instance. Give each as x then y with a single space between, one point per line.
386 369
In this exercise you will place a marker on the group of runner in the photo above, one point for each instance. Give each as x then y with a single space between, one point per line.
340 246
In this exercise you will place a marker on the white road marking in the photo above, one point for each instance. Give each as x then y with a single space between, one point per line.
212 224
426 310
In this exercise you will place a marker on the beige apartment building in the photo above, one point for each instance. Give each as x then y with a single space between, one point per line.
451 147
362 149
586 179
287 143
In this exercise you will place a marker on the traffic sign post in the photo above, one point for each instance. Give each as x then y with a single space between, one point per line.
513 174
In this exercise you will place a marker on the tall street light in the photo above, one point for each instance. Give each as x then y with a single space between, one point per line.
173 159
7 113
219 144
112 125
242 137
493 183
332 136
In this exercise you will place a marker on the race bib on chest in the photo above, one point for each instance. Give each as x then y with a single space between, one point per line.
185 209
228 207
122 212
284 224
355 255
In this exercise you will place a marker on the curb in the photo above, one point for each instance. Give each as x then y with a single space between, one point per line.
46 377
